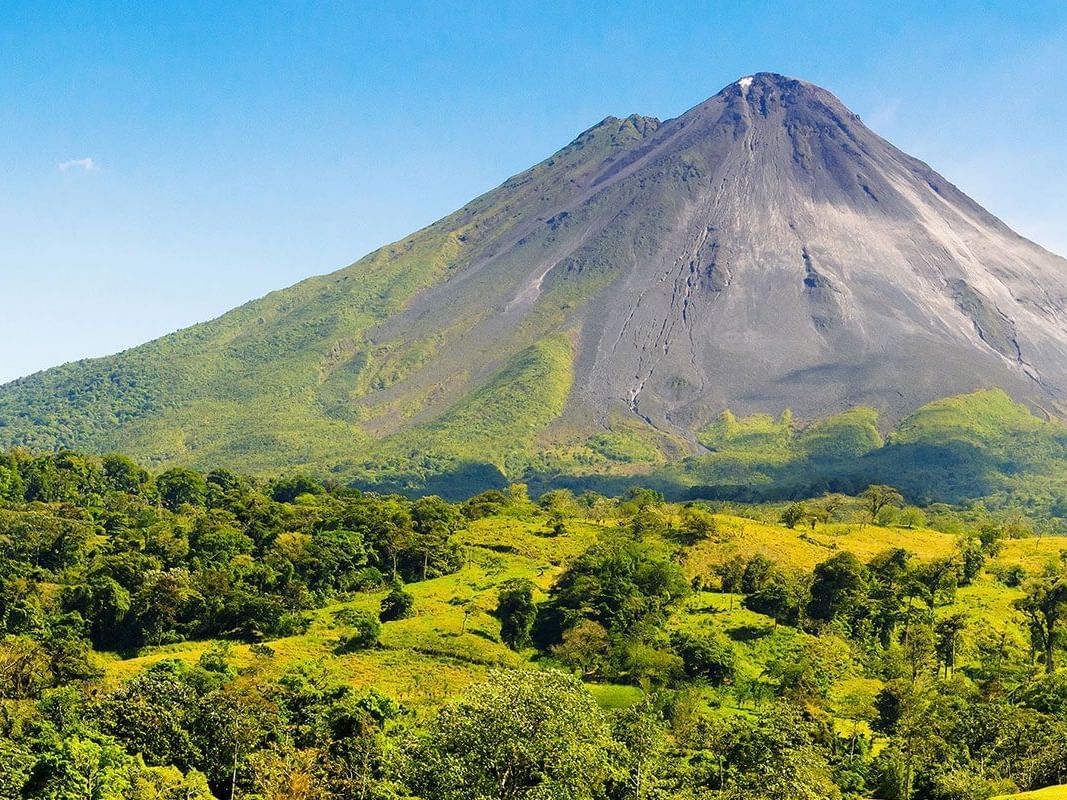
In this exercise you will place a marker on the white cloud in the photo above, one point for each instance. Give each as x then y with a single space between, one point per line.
884 115
86 164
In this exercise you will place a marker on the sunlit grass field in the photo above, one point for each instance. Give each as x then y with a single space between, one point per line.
453 639
1048 793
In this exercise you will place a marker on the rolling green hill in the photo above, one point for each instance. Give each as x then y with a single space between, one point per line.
977 445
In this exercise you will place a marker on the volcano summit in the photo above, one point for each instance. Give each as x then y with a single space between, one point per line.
764 251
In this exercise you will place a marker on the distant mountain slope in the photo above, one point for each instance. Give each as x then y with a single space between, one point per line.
976 445
763 251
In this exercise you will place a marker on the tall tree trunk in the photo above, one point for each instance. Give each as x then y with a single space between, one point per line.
236 751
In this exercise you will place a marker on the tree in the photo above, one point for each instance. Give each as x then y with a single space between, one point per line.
839 585
153 715
890 579
104 604
857 706
434 521
516 611
831 504
519 734
697 524
947 635
486 504
781 598
641 662
468 604
757 571
775 757
730 575
808 667
709 657
284 773
217 658
1045 606
904 713
641 731
123 475
230 725
398 604
559 503
920 650
879 496
972 559
180 486
286 490
82 769
935 576
16 764
648 522
584 647
331 560
911 517
793 515
225 481
364 630
392 531
12 487
163 606
25 667
620 583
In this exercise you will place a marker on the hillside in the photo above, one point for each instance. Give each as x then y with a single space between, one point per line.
212 636
596 314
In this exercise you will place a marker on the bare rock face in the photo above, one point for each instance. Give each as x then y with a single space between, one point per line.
813 265
767 250
763 251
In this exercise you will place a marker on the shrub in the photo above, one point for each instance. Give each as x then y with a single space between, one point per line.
365 630
217 657
398 604
708 657
516 611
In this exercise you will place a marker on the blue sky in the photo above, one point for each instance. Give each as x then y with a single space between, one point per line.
163 162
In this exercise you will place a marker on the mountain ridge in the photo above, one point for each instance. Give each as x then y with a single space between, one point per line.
762 251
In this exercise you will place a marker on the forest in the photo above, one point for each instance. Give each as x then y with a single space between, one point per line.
188 634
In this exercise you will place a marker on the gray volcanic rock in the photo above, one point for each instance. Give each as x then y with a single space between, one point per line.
766 250
815 266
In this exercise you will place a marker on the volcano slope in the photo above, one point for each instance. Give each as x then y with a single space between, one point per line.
763 251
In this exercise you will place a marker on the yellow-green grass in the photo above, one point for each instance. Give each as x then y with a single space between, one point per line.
614 695
1033 553
1048 793
423 658
803 548
530 544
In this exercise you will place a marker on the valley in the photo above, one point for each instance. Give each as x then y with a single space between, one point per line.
319 636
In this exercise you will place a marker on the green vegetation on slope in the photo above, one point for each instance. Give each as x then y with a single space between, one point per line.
315 371
981 445
473 443
192 397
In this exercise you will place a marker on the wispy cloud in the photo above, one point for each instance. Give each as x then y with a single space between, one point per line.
884 115
86 164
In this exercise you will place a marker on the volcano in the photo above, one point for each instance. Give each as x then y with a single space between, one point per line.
763 251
